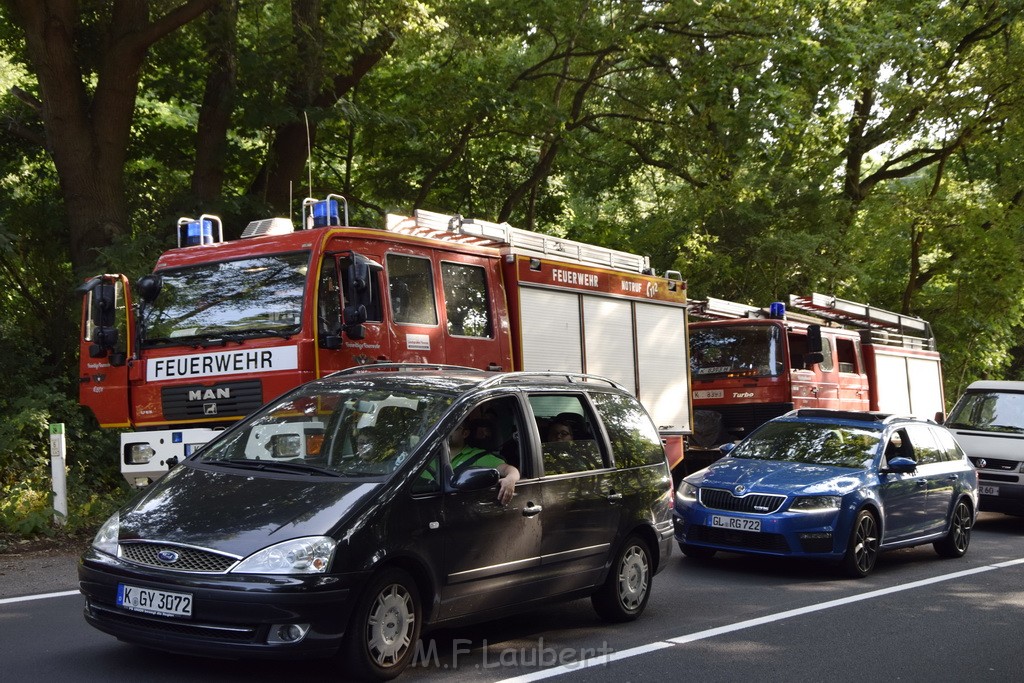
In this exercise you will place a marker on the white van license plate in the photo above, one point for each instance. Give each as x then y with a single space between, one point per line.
988 490
163 603
735 523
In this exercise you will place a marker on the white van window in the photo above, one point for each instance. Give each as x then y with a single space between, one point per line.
991 411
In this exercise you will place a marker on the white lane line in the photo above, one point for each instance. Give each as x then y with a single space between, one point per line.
41 596
750 623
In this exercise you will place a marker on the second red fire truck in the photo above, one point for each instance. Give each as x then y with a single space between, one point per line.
751 364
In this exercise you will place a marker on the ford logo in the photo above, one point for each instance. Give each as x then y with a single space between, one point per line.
167 556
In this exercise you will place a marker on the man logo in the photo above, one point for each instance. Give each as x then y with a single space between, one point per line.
208 394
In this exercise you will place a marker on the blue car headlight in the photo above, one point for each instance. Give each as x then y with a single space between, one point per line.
816 504
686 493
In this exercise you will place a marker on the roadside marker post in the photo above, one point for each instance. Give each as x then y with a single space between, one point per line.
59 473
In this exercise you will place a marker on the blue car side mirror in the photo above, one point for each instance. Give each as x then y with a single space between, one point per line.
901 465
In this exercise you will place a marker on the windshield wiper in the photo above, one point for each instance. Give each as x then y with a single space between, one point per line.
274 466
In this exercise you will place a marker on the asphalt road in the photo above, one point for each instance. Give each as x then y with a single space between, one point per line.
917 618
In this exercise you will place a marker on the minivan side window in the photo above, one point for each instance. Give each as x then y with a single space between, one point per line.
567 434
634 438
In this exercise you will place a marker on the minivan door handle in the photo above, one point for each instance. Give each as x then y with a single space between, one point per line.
530 510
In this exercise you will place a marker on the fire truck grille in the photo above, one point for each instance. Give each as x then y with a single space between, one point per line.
176 558
758 504
224 399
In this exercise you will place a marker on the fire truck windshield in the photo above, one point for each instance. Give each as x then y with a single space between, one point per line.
255 296
735 351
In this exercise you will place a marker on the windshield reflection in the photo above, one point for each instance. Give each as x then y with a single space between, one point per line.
740 351
814 444
352 430
262 295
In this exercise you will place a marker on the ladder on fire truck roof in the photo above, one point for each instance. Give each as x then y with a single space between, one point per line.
883 326
854 314
524 242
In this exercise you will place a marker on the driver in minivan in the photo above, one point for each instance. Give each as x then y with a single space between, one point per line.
463 455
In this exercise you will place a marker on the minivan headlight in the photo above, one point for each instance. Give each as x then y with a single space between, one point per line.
816 504
106 538
307 555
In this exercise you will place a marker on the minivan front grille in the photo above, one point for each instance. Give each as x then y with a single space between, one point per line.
176 557
753 503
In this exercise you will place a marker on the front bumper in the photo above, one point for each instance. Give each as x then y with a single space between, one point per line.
1007 498
232 615
782 534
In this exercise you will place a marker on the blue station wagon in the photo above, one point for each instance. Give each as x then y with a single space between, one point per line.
832 485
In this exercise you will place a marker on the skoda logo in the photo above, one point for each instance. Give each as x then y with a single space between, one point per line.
167 556
982 463
740 488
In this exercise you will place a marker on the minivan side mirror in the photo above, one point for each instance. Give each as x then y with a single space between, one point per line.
475 479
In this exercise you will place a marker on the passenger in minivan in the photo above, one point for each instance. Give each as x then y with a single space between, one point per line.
463 456
559 431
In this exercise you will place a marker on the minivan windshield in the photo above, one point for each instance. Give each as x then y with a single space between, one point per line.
811 443
354 429
989 411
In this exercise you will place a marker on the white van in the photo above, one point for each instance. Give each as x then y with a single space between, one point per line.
988 422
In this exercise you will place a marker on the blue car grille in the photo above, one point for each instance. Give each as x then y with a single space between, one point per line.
186 559
775 543
752 503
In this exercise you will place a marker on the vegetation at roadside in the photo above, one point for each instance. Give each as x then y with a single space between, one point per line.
760 147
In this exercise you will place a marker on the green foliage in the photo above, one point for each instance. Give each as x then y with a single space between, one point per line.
760 148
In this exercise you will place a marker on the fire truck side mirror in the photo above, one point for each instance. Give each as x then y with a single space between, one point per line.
103 314
815 353
355 316
149 287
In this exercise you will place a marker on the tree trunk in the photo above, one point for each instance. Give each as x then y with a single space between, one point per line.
218 103
87 136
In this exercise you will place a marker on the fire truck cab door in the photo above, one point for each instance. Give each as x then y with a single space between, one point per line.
105 349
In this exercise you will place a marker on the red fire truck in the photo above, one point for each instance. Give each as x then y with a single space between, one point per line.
751 364
220 327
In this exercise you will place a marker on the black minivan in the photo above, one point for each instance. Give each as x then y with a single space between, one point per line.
332 521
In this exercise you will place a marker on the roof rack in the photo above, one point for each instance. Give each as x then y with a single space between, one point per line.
469 231
396 367
540 374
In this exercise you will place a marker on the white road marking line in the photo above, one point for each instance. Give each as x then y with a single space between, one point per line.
750 623
41 596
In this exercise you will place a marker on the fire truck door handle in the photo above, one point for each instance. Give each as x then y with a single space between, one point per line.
530 510
612 497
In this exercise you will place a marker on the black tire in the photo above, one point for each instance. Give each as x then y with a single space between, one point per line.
382 634
862 548
625 592
697 552
959 537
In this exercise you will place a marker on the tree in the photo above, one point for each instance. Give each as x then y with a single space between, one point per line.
86 99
